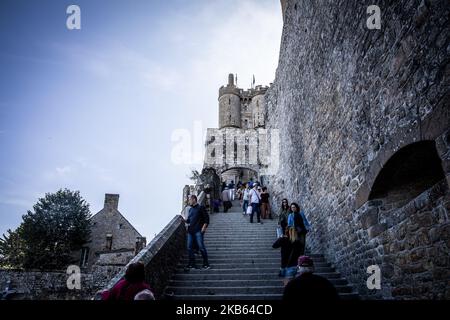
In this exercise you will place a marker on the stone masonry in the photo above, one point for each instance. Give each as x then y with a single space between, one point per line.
364 122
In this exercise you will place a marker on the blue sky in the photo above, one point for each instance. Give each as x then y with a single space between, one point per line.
97 109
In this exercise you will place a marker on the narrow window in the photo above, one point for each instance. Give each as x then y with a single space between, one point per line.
109 241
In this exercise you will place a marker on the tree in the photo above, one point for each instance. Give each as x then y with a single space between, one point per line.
12 249
195 176
58 225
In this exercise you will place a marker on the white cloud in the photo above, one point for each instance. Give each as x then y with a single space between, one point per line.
63 171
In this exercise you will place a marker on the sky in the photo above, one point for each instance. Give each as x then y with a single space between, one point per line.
104 109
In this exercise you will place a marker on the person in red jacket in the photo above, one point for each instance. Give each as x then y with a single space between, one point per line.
132 284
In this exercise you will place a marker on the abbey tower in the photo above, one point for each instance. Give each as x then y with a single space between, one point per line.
236 150
240 108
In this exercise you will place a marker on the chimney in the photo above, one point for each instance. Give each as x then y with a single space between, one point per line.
230 80
111 201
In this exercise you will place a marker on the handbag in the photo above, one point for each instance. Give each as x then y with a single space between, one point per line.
249 210
293 234
279 232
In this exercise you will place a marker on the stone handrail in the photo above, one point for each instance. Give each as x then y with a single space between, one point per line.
160 257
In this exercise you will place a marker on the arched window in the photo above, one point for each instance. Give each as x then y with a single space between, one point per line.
409 172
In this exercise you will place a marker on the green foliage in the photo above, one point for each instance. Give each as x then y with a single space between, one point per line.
58 225
12 249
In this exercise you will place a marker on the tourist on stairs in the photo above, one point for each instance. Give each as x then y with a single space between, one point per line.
308 286
265 205
286 261
255 200
197 221
132 284
283 215
296 231
226 200
245 198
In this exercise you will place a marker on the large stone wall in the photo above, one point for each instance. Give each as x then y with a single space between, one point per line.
345 100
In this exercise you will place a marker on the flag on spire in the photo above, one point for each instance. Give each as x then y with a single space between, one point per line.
253 80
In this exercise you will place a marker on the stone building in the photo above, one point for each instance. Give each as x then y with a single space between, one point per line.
114 240
364 118
236 150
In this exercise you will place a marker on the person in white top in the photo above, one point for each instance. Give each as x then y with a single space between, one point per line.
226 199
255 200
245 198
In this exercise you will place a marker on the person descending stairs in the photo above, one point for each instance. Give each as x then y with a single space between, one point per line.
243 263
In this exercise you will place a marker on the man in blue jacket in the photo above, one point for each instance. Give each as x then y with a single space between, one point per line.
198 220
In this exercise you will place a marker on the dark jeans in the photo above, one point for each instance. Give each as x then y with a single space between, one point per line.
197 238
255 208
298 249
227 205
245 205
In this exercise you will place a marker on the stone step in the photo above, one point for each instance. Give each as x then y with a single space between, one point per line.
342 296
273 257
232 282
261 252
262 289
270 236
241 260
247 229
227 225
266 241
239 268
247 247
270 275
259 236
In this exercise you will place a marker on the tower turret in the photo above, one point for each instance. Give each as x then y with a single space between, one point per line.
229 105
259 107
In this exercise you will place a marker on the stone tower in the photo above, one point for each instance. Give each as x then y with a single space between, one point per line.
229 105
240 108
258 107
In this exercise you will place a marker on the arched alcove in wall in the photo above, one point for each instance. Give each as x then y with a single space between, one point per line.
410 171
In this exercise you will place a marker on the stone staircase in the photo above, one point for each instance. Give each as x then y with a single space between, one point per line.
244 266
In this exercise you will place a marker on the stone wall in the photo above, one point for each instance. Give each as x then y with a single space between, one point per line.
38 285
160 257
346 99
